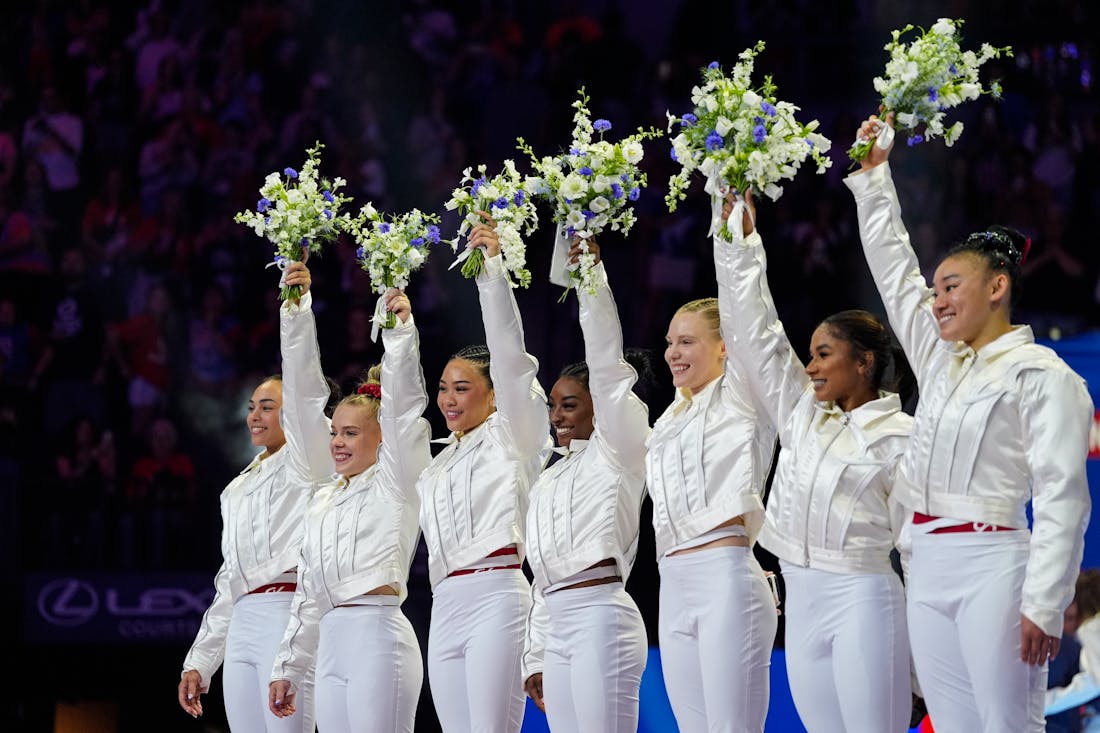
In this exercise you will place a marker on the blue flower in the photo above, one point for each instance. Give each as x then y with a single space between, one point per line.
712 65
433 234
500 203
290 173
570 231
569 201
672 154
933 94
626 177
327 196
758 120
477 184
588 214
263 205
601 125
768 109
759 133
634 194
585 171
576 151
304 243
688 120
518 198
327 214
267 220
953 70
616 190
417 242
714 140
810 143
359 253
914 140
384 227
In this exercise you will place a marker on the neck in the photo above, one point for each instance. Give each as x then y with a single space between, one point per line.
699 388
271 451
996 327
851 402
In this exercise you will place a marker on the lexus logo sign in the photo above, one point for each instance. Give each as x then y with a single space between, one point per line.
68 602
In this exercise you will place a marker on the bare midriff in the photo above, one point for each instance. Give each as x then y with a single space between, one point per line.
597 581
739 520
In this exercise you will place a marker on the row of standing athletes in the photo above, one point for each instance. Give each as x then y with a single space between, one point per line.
319 534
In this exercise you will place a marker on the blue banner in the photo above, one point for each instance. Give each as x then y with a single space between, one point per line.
114 608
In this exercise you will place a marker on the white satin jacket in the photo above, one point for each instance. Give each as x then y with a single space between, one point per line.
709 455
995 428
830 506
586 507
262 512
359 534
474 493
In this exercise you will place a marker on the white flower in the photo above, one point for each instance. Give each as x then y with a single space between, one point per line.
573 187
599 204
944 27
723 125
633 152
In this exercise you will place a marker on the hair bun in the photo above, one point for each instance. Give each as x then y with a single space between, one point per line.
1002 241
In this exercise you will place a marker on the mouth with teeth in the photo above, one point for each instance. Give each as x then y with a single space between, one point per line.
451 415
678 370
340 457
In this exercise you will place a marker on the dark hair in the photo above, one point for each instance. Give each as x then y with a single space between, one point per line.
1003 249
1087 596
865 332
334 393
477 355
640 359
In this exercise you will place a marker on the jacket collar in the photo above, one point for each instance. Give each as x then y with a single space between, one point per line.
576 445
867 414
458 437
685 399
1016 336
260 464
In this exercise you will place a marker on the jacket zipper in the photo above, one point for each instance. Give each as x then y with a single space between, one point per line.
810 493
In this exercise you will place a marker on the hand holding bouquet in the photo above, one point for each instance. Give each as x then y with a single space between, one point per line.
297 211
592 187
740 137
390 249
923 79
506 199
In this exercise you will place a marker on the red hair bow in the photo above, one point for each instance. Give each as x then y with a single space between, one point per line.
370 390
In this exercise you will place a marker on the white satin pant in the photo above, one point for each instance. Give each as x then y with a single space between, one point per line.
251 642
716 628
369 670
595 655
847 651
474 647
964 600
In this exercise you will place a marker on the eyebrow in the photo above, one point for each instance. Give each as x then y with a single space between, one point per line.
265 399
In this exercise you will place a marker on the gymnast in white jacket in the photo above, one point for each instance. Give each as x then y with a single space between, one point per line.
1001 422
473 505
831 519
360 529
586 643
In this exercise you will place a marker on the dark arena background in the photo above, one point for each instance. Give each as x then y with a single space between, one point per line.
136 317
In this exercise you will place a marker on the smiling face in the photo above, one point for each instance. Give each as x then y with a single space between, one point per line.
971 300
694 353
571 412
839 374
465 397
263 416
356 436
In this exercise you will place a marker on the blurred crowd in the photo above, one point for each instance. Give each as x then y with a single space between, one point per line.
136 317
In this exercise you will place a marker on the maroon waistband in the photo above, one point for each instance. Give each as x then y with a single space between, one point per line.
919 518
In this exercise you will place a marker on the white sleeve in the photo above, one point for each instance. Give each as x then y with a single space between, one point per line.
297 651
305 394
894 266
621 417
534 644
758 340
1056 416
520 400
208 650
405 449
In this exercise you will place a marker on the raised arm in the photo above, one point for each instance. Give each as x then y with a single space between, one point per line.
748 313
305 391
1056 416
520 400
405 451
905 294
622 419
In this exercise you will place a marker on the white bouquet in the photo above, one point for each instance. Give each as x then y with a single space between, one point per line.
926 77
592 187
297 211
740 137
390 249
505 198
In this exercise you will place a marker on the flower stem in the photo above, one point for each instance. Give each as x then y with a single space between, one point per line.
474 264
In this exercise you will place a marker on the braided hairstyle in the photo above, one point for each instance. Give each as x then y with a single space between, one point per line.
640 359
865 332
1003 249
477 355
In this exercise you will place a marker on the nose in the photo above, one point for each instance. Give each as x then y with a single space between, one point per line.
555 415
811 367
940 302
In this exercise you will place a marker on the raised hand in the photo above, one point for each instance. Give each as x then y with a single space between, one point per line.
748 217
485 235
872 127
398 304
